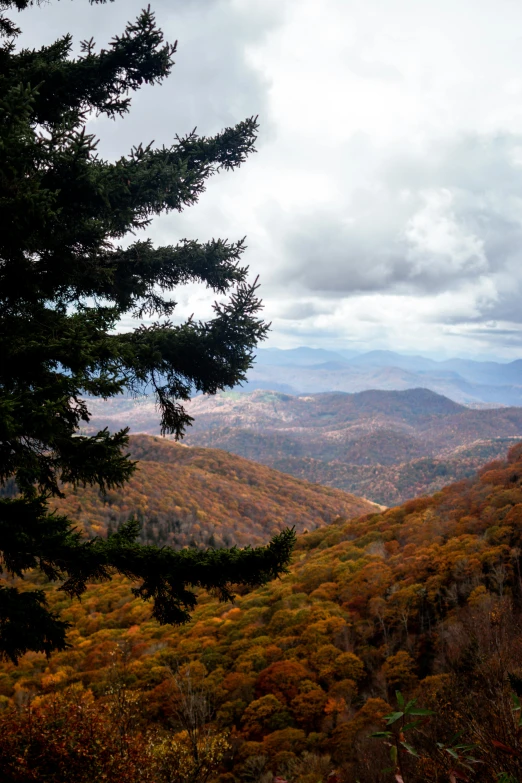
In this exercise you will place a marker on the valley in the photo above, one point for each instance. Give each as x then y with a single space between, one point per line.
405 582
388 446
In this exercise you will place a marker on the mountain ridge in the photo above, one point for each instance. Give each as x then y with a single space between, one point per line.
305 370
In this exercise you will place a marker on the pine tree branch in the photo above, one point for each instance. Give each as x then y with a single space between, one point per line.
31 538
99 82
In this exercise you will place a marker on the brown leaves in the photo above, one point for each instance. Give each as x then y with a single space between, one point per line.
504 748
455 775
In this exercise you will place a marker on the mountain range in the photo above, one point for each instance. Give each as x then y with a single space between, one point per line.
308 370
387 446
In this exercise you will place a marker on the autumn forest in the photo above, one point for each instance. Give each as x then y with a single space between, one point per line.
293 679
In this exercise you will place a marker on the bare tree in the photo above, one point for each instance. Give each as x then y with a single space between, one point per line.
196 749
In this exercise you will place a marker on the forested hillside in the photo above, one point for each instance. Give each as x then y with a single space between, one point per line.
392 484
205 497
387 446
424 598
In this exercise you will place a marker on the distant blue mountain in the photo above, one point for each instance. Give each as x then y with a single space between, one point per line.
489 373
309 370
302 357
392 359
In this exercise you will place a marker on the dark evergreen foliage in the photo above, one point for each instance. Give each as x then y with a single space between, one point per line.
65 283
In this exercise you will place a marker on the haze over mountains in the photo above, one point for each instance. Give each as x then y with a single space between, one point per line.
308 370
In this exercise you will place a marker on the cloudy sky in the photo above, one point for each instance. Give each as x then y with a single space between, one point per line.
383 208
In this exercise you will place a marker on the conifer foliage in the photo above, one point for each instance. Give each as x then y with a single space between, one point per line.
66 280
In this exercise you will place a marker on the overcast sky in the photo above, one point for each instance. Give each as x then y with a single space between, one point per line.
384 206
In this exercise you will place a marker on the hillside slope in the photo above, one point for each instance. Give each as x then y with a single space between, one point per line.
205 497
423 598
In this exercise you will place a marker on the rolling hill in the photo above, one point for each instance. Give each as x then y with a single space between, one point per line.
206 497
388 446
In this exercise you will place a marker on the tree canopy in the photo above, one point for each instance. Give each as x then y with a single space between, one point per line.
66 280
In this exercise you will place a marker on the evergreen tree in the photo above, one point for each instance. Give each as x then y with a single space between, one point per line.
66 280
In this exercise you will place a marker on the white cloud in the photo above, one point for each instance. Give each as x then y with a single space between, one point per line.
439 245
384 207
